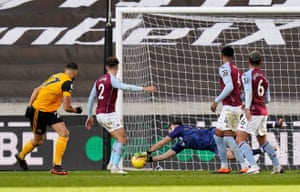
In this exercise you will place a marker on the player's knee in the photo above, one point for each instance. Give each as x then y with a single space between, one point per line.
40 142
219 133
64 133
262 140
240 137
239 140
228 133
37 142
122 139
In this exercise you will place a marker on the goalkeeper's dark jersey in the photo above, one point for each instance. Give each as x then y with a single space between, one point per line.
193 138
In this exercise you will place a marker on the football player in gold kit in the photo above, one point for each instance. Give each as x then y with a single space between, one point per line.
41 110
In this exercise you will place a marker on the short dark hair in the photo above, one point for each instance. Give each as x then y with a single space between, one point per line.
72 65
228 51
176 122
111 61
255 58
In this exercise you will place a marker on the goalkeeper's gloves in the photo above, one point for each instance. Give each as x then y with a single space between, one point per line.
147 155
78 110
279 123
140 154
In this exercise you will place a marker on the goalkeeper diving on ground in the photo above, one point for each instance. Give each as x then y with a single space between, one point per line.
192 138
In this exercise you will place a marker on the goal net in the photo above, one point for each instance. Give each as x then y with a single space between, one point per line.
178 50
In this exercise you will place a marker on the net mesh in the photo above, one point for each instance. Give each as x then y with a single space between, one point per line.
180 54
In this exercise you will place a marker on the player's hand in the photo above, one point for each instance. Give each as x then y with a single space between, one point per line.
213 106
279 123
89 123
248 115
150 89
78 110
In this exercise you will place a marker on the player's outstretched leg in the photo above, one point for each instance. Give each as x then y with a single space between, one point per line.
230 142
222 155
247 152
21 156
120 136
110 164
22 162
269 149
60 148
61 145
28 147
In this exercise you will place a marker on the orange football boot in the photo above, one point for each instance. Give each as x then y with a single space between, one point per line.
244 170
223 171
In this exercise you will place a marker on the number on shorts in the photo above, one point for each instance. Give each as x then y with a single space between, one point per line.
260 88
243 121
101 91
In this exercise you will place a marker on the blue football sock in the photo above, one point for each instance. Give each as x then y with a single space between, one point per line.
118 152
112 152
221 151
230 142
247 152
268 148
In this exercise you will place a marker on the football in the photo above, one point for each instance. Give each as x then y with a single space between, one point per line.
138 162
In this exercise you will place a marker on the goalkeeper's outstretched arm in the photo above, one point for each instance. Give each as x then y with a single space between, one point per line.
156 147
167 155
160 144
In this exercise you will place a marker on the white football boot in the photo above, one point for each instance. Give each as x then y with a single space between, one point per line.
253 170
109 165
277 170
117 170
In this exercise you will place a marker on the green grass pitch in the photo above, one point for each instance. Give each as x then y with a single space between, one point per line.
166 181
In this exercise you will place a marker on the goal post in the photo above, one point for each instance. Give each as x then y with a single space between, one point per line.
178 50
